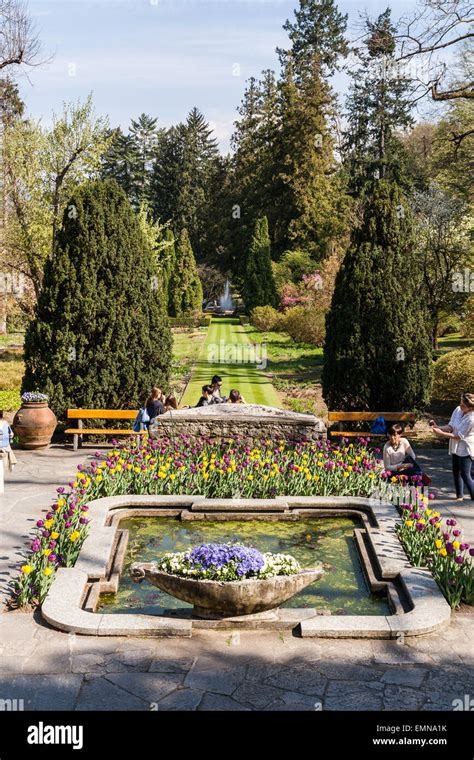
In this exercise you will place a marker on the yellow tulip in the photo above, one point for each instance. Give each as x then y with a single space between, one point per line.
26 569
48 571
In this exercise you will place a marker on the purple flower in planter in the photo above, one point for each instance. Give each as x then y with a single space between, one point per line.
52 544
456 532
450 521
471 552
61 489
84 508
45 533
449 547
83 520
35 545
446 536
459 559
68 524
52 557
420 527
39 523
465 547
50 515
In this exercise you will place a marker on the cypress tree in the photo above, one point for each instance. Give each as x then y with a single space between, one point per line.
185 286
377 353
100 337
259 285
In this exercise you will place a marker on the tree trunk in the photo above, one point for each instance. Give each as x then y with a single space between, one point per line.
3 313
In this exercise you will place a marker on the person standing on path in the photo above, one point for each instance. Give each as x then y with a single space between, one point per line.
460 432
6 435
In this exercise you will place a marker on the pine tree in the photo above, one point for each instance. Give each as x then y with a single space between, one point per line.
377 107
185 164
130 158
100 337
185 286
259 286
319 28
377 353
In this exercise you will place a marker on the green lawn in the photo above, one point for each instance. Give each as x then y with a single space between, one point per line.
227 339
453 343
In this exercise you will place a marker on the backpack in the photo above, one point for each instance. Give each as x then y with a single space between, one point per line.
142 418
379 426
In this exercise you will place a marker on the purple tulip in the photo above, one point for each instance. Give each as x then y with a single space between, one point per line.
464 547
52 557
35 545
67 524
449 547
471 552
456 532
45 533
50 515
60 489
52 544
83 520
459 559
420 526
40 523
446 536
450 521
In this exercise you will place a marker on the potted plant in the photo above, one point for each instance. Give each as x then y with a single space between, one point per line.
227 580
34 423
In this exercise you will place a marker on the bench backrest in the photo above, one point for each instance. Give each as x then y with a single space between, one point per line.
370 416
102 414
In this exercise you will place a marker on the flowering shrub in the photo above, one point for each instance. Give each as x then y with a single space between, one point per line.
227 562
428 542
31 396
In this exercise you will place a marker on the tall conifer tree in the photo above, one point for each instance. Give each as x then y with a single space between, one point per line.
377 353
100 337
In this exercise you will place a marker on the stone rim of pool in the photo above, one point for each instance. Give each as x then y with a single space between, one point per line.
420 609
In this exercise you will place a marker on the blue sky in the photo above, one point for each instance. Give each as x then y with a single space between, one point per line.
161 57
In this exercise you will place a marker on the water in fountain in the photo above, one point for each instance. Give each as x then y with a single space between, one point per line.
226 301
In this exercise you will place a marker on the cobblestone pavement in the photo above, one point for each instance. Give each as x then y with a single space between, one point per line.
51 670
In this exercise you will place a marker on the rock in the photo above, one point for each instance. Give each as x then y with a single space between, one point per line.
255 422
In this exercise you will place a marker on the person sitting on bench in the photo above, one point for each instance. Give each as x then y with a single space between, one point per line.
398 455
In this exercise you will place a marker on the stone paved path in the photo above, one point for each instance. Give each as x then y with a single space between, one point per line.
51 670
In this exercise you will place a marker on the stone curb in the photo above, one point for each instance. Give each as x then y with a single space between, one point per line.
428 611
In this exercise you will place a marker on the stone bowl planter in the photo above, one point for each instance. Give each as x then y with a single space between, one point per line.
214 600
34 424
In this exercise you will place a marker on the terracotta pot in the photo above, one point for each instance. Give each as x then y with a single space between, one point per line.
34 424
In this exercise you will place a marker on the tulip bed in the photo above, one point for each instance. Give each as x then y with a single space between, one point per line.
230 470
429 542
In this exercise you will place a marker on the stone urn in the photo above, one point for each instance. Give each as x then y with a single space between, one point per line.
215 600
34 424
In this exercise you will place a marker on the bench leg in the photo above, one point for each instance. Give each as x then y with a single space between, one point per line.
75 439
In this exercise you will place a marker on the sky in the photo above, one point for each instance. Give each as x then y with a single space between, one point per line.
162 57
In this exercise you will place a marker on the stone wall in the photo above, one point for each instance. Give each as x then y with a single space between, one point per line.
229 421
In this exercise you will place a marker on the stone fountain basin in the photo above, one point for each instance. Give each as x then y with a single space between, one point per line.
215 600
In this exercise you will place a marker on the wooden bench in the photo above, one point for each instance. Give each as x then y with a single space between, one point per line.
407 418
99 414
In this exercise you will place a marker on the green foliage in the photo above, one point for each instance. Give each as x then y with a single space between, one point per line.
377 106
193 321
10 401
305 324
185 164
292 266
265 318
453 375
377 350
318 30
100 338
185 289
259 286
